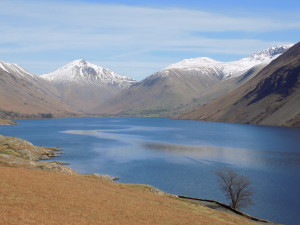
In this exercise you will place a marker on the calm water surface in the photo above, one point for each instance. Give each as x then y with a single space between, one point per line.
180 157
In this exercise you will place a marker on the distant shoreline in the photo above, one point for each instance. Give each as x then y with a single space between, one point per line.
7 122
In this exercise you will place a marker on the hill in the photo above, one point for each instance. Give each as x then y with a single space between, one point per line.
40 197
270 98
23 93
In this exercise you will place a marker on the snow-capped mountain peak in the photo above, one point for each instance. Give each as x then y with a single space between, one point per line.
224 70
270 53
84 73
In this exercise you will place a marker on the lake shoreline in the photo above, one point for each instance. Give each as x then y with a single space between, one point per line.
11 122
15 152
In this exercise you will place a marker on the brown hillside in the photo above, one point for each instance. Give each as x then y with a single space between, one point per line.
159 94
23 93
40 197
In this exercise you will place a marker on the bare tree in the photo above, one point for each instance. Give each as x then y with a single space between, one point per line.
237 188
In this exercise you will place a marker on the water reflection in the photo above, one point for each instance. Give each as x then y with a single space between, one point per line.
209 153
135 147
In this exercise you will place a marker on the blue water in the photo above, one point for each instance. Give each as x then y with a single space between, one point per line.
180 157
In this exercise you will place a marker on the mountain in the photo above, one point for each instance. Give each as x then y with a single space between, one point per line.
85 86
219 89
225 70
160 93
272 97
168 91
22 92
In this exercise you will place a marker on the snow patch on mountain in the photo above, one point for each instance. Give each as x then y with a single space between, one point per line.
84 73
225 70
15 69
3 67
194 62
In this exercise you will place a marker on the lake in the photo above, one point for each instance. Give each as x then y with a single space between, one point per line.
180 157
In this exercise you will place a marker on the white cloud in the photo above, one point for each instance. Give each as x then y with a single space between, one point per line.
119 31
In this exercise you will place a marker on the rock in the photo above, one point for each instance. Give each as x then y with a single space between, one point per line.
103 176
7 122
21 153
152 189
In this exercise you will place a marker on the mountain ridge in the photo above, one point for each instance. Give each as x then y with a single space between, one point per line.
84 88
230 69
22 92
270 98
163 92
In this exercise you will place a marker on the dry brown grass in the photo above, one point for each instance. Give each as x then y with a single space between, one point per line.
40 197
6 122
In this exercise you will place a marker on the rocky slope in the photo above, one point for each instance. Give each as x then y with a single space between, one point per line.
20 153
85 86
169 90
25 93
270 98
7 122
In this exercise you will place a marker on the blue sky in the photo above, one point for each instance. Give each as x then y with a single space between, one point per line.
137 38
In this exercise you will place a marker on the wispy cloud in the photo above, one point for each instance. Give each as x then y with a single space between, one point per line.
126 33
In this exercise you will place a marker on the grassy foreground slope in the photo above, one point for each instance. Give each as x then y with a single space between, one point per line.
43 197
